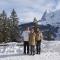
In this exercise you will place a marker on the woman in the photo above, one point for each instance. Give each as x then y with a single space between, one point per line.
25 35
32 41
39 37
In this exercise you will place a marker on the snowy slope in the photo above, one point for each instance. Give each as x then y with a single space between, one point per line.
43 56
50 50
52 18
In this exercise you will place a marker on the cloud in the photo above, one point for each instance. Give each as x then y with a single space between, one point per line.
28 9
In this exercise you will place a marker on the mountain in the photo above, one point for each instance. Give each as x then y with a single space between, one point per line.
48 19
52 18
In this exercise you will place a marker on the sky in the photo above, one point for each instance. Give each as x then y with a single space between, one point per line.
28 9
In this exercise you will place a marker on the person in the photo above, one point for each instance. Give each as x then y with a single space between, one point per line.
32 41
39 37
25 35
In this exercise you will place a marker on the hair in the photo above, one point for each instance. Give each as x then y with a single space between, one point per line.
26 28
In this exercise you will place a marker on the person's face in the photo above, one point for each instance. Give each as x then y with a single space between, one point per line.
37 29
32 30
27 28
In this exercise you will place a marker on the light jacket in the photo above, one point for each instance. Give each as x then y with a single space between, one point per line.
39 36
32 38
25 35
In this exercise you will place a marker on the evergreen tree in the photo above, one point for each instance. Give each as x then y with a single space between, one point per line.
1 28
14 26
35 24
8 29
4 25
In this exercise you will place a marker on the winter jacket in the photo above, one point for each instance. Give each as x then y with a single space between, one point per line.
25 35
32 38
39 36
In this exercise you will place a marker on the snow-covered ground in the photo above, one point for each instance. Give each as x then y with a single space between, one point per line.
50 50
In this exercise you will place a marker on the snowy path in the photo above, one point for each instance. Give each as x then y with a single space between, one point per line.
50 51
43 56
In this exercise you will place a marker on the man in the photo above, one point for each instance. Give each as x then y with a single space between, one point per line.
39 37
25 35
32 41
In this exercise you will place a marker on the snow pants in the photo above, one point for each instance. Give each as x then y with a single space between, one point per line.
38 47
26 47
32 50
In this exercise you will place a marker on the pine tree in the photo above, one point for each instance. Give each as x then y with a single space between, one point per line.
1 29
35 24
14 26
4 26
8 29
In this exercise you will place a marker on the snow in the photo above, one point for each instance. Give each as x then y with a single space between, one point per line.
50 50
52 18
42 56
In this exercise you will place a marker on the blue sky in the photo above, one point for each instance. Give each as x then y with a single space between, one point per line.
28 9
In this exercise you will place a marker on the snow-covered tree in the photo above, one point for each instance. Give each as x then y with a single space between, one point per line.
14 26
1 28
4 25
